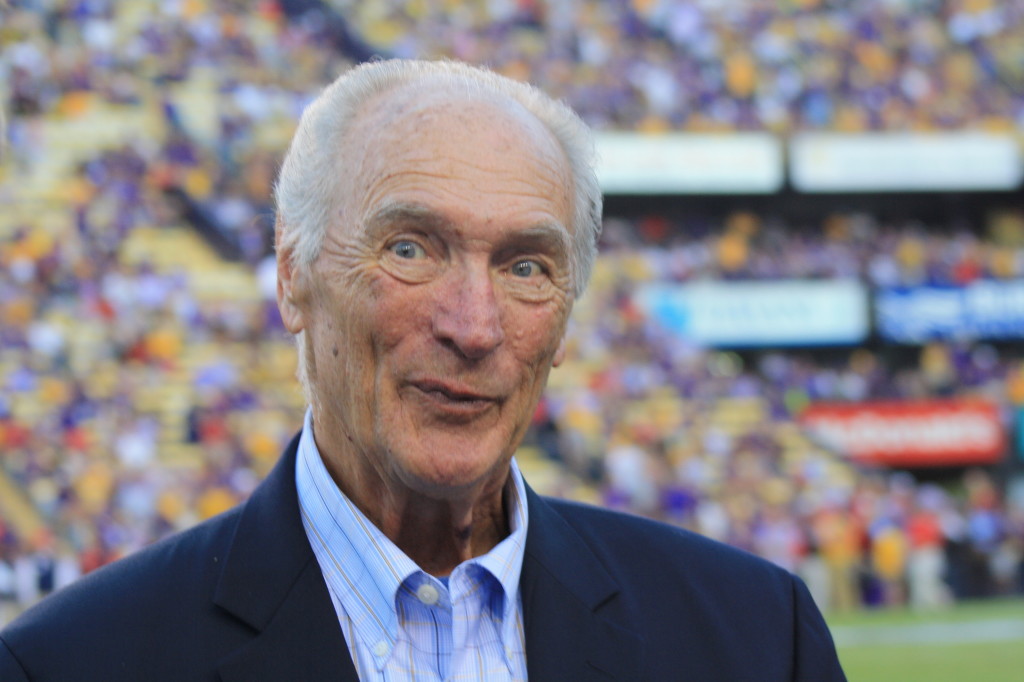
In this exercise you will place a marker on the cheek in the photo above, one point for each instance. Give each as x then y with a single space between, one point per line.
537 333
392 335
344 328
394 310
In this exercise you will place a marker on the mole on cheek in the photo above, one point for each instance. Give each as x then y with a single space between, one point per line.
334 351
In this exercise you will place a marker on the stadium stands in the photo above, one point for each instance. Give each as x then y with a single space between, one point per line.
147 383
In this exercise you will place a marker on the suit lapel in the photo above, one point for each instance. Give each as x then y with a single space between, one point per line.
272 582
569 606
302 641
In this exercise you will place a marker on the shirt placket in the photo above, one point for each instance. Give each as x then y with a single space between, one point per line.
425 616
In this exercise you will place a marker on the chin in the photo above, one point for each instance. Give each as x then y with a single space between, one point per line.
455 475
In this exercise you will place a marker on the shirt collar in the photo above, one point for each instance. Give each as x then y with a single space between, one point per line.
364 569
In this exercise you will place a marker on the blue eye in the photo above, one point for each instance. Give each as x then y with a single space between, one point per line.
408 249
526 268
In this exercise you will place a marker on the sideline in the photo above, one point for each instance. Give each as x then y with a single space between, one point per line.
996 630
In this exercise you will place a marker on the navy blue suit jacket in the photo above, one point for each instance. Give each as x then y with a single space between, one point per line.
606 596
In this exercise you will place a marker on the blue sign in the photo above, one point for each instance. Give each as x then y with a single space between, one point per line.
982 310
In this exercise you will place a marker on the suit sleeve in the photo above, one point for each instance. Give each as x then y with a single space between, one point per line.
10 668
815 652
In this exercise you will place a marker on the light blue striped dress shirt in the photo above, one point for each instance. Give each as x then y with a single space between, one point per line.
400 622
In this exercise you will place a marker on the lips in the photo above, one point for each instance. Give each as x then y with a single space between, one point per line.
454 398
450 391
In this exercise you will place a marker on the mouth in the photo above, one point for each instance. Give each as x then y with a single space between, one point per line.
453 399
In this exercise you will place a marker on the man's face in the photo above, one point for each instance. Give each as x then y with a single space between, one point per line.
440 298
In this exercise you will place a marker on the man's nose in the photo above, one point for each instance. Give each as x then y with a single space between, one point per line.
468 316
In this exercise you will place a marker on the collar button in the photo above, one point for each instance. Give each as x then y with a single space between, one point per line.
427 594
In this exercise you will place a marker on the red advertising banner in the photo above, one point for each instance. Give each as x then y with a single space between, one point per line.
911 433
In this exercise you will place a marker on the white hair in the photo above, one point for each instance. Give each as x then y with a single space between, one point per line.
306 191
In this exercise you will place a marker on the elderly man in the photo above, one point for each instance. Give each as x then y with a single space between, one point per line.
436 223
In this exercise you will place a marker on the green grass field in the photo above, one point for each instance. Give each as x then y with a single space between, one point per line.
973 642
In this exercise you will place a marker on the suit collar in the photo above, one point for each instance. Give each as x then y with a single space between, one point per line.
570 606
272 582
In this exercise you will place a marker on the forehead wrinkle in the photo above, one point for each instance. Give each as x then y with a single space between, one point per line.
414 173
415 164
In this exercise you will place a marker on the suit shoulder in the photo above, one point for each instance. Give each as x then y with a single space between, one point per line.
620 527
628 539
163 576
694 601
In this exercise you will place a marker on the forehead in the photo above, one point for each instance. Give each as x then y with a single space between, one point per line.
432 145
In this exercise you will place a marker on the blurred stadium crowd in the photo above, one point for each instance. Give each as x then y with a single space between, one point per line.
147 383
737 64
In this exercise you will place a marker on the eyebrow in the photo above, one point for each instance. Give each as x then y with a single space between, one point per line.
415 214
551 237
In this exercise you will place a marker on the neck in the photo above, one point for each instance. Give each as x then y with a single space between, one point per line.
438 537
438 533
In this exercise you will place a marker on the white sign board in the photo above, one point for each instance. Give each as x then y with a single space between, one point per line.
678 163
884 162
784 313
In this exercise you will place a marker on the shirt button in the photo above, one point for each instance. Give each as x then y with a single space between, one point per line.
380 648
427 594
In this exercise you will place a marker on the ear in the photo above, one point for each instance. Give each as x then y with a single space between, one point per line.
289 287
559 354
